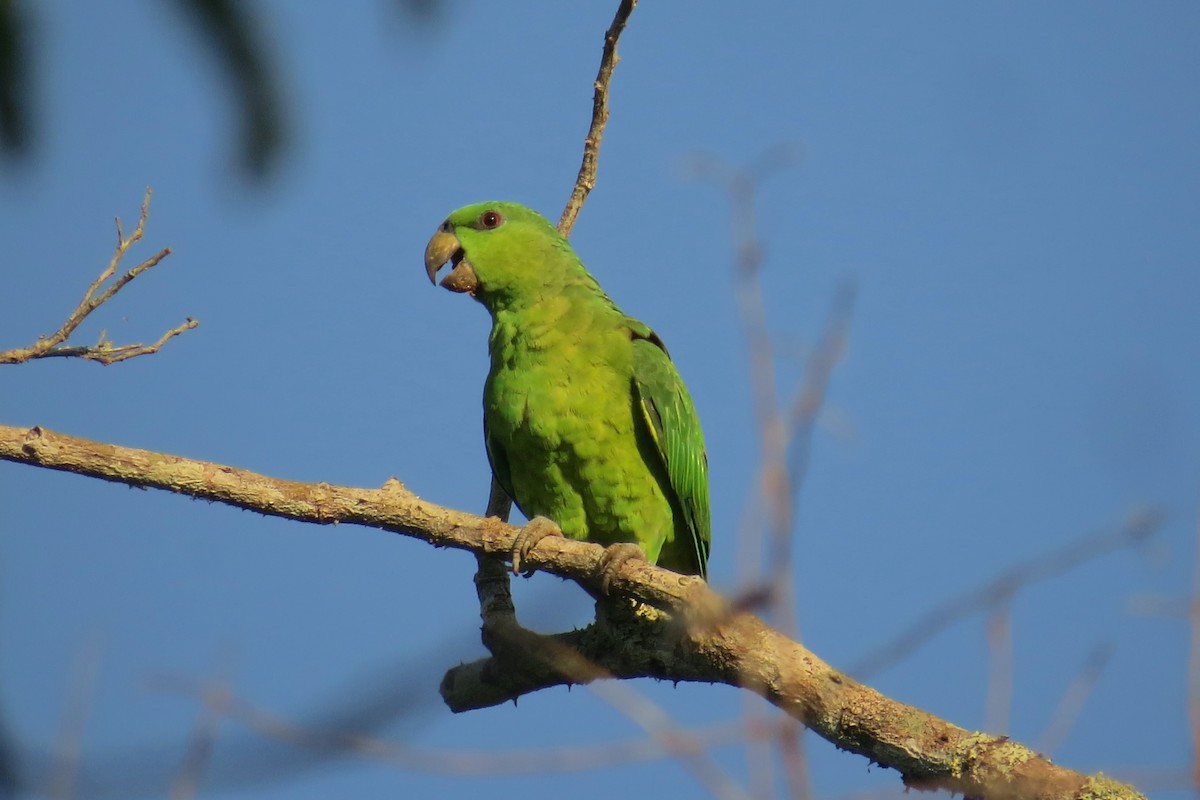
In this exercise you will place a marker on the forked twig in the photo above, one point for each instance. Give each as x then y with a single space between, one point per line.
97 294
785 437
214 707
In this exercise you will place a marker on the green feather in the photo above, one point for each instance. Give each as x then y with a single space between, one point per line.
675 427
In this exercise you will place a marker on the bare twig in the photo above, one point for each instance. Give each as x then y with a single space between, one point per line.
97 294
760 757
1193 667
70 740
216 700
577 664
700 639
106 352
1000 669
1135 530
497 761
1073 699
741 187
586 181
670 736
800 421
785 441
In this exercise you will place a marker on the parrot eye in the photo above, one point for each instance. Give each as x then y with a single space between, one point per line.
490 219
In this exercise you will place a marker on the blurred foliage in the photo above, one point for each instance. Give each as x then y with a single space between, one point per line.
14 79
231 30
234 37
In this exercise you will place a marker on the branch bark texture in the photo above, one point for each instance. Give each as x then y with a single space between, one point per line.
698 638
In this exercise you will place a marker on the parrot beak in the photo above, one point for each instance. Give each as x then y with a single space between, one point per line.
443 247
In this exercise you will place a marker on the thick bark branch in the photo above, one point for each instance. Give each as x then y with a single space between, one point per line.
699 638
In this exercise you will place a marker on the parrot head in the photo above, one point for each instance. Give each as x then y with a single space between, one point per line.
496 250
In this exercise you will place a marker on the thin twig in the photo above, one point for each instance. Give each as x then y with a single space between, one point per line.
773 493
105 352
586 181
97 294
760 759
497 761
1193 667
783 439
655 722
1000 669
1136 529
1073 699
80 698
802 418
218 695
783 453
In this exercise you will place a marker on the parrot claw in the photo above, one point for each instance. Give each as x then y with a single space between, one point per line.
537 529
615 556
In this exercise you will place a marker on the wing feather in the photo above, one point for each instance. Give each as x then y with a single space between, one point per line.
675 428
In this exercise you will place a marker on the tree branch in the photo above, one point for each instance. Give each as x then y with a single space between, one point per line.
104 351
500 761
1000 590
586 181
699 638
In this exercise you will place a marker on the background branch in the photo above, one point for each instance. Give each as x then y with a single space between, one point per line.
785 439
1135 530
451 762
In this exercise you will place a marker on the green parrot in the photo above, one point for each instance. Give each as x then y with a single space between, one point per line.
585 418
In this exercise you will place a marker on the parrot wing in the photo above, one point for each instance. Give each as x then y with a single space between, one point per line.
675 428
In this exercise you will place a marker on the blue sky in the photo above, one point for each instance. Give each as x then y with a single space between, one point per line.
1012 188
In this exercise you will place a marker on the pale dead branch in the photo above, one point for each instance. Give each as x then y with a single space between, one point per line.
101 290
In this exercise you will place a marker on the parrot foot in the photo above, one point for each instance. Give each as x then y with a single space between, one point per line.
537 529
615 556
